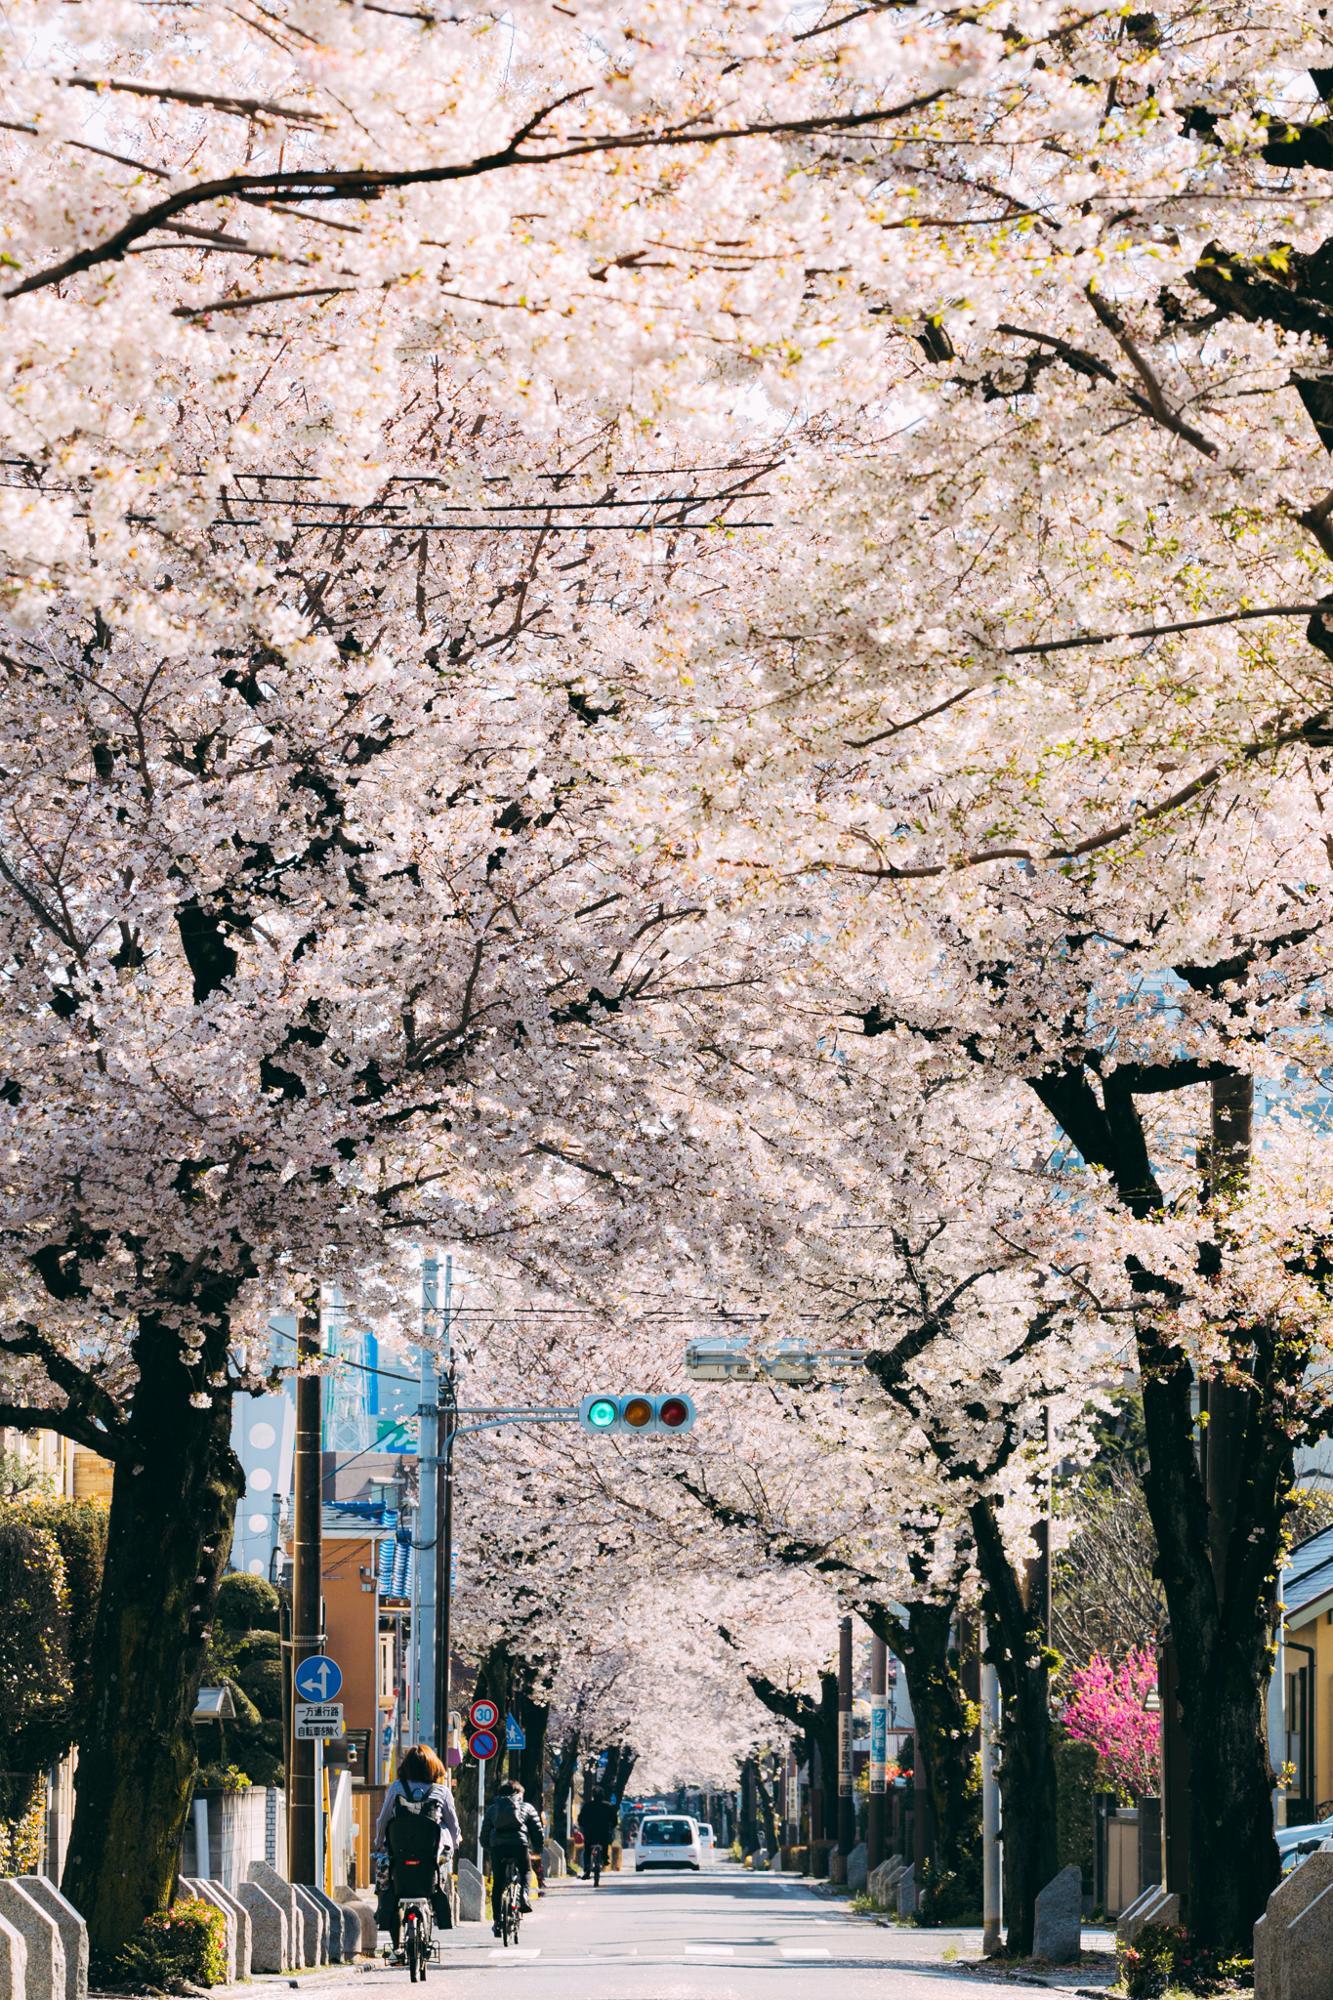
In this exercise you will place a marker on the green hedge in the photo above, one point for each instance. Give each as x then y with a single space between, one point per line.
51 1554
1075 1792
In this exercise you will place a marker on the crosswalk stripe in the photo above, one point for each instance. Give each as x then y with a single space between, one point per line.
710 1951
805 1951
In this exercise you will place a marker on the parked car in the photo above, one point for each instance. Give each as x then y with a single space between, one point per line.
1295 1842
668 1840
707 1839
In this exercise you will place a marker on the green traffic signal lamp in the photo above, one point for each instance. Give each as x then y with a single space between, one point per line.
600 1413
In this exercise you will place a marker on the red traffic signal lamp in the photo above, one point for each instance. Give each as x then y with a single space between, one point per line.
637 1414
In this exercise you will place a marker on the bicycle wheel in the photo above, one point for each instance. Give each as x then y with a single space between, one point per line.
416 1968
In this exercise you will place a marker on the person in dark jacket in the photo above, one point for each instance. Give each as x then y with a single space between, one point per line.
510 1831
598 1820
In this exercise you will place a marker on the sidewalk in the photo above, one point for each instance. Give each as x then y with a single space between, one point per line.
959 1948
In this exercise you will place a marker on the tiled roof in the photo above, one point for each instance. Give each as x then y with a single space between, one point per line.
1309 1572
368 1517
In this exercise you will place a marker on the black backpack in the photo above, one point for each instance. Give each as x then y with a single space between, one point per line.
509 1826
413 1838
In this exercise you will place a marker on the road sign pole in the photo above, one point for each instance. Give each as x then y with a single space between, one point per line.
481 1806
307 1553
319 1811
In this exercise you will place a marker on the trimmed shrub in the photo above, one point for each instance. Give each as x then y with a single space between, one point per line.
246 1603
1164 1957
221 1778
177 1948
948 1896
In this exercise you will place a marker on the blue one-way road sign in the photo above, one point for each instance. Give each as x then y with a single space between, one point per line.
319 1678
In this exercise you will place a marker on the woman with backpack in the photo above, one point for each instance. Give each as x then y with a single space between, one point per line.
417 1830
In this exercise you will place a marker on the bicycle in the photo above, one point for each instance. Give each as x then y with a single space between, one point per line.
417 1922
596 1854
511 1900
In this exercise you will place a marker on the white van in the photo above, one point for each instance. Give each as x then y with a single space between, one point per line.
668 1840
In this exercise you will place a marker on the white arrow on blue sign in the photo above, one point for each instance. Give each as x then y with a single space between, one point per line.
319 1678
515 1739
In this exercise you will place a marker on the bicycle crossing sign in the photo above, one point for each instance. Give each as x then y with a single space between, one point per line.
515 1738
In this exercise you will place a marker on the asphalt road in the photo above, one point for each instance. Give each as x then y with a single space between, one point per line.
722 1935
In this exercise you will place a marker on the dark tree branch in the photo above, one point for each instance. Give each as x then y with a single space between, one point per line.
363 184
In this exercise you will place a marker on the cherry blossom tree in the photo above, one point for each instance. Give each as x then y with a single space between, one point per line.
358 767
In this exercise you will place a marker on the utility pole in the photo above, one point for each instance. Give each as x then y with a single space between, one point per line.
444 1515
879 1749
428 1516
846 1808
307 1556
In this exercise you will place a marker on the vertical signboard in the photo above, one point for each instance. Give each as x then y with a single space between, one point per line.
879 1743
844 1754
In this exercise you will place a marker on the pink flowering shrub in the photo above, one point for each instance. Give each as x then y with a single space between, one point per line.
1106 1710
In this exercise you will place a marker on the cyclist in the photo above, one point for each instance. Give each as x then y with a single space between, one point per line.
510 1832
415 1836
598 1820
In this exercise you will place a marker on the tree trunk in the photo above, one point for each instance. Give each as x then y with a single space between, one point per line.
1219 1597
749 1827
1219 1542
562 1790
772 1839
619 1766
944 1726
173 1503
1230 1788
1016 1648
825 1728
532 1717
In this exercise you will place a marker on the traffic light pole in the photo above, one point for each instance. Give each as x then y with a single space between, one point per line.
424 1632
444 1417
444 1566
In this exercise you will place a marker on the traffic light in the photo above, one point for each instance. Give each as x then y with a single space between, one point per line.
665 1416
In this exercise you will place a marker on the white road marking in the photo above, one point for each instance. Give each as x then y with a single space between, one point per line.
710 1951
805 1951
513 1951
